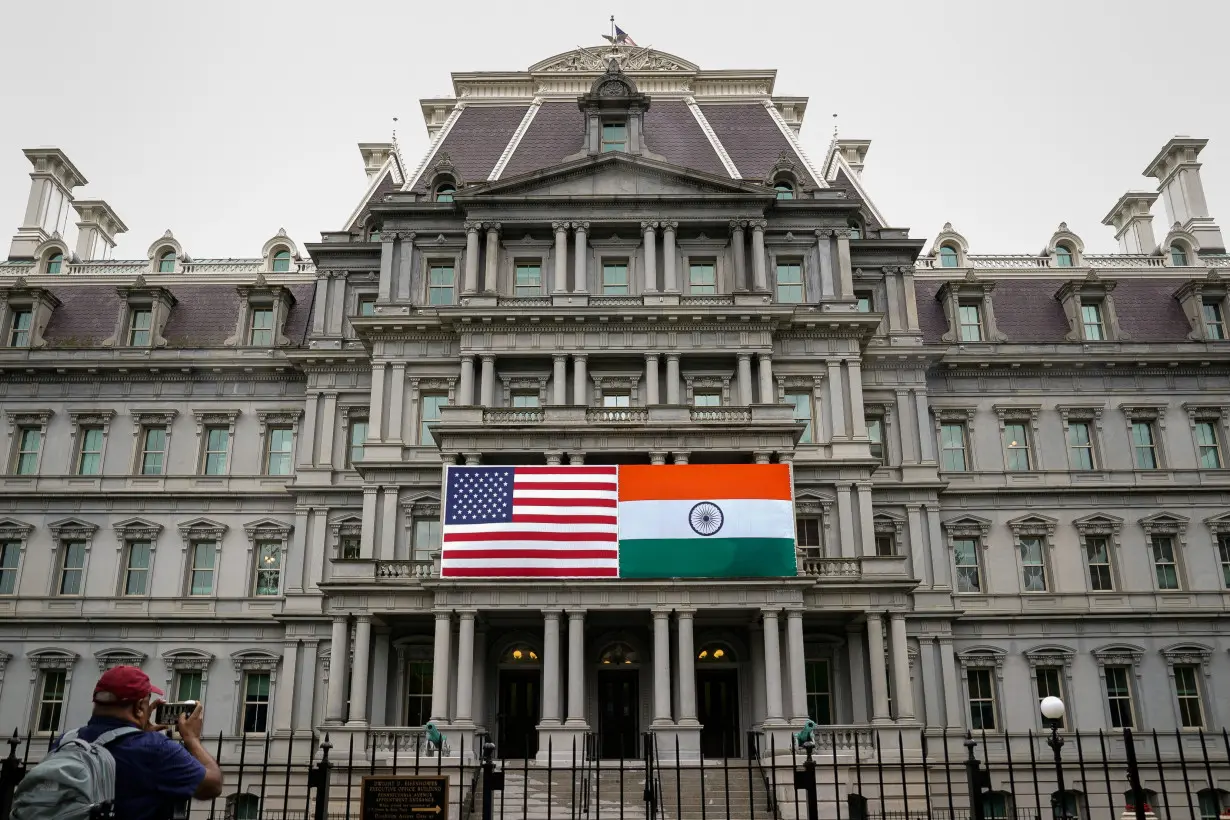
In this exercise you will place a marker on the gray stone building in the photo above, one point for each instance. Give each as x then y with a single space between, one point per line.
1009 471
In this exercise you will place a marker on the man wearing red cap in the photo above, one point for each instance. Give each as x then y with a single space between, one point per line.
153 774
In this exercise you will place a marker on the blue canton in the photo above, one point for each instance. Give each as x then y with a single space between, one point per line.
479 495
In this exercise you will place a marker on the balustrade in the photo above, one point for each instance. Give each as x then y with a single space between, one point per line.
405 570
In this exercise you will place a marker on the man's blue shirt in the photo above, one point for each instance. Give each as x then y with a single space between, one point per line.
153 773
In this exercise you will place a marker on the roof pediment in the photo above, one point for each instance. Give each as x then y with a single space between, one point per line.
614 175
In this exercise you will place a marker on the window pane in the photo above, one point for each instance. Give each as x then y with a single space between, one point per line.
1017 440
970 320
1188 693
616 400
615 279
256 702
27 450
1032 567
528 280
1143 446
440 285
51 700
1119 697
268 567
166 263
153 450
426 538
819 691
965 551
89 460
1049 684
71 568
614 136
807 532
358 439
1215 328
201 581
948 257
19 334
1098 555
864 302
429 409
789 282
10 554
802 403
1164 562
188 686
139 328
367 306
701 278
981 699
707 400
1080 445
1178 256
1223 553
261 333
216 441
1091 319
278 457
1207 446
952 446
875 434
137 573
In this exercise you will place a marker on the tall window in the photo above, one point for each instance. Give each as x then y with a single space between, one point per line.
864 301
136 567
1223 554
969 315
1214 321
201 571
55 263
702 278
614 278
189 685
89 451
350 546
256 702
1080 445
948 256
166 262
802 402
268 568
51 700
19 330
952 447
1119 697
1144 447
1016 441
153 450
1164 564
614 136
10 555
875 434
807 534
1063 256
260 330
358 439
981 699
886 544
216 440
29 439
1187 690
440 282
72 567
429 411
1050 684
278 445
969 574
139 325
1208 447
418 692
1097 559
784 189
1178 255
819 690
1033 565
281 261
790 282
426 538
1091 322
528 279
1210 804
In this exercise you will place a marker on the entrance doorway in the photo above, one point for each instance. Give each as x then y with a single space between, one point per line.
520 710
618 723
717 693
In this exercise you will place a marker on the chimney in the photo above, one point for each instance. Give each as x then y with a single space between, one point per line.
1133 222
1178 175
97 229
51 193
375 154
854 152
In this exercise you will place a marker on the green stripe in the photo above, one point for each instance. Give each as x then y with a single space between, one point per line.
706 558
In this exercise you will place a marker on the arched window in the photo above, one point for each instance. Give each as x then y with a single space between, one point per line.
1178 255
445 191
1063 256
281 261
166 262
55 262
784 189
856 231
520 653
373 233
618 654
715 653
948 257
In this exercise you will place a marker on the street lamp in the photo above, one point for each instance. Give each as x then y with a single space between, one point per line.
1052 712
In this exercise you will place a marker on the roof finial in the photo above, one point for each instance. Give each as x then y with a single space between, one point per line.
834 125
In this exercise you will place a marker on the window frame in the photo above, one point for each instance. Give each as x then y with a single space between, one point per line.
439 264
128 570
815 696
1114 702
1109 564
422 525
1215 421
158 467
1092 330
972 529
205 545
1191 699
425 437
280 261
1088 448
131 328
979 325
1162 546
261 311
977 564
962 428
985 665
878 443
356 445
26 333
530 291
264 549
1059 690
1039 530
709 288
27 457
1015 446
949 256
45 674
166 260
83 437
613 263
261 707
802 526
788 262
1221 542
14 535
864 298
273 435
1179 254
807 398
620 145
1214 327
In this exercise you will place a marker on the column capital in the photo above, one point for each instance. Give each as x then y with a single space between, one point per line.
876 617
770 611
559 227
341 619
581 226
442 614
449 458
758 224
681 457
488 358
559 357
670 225
371 490
786 457
660 614
794 611
552 614
467 357
472 227
554 457
576 614
765 357
737 224
672 357
473 458
467 614
744 357
491 226
648 226
823 233
914 506
649 356
580 357
363 619
761 456
657 456
685 612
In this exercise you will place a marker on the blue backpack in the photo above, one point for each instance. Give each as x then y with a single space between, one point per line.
72 782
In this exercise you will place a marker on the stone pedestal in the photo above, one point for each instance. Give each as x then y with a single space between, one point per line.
687 739
562 745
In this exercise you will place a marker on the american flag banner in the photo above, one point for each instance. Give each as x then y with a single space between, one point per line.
531 522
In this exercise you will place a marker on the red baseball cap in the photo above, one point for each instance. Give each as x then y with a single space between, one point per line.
124 684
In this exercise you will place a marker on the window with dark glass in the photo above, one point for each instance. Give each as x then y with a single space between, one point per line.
136 567
72 567
1080 445
1050 684
1033 564
1214 321
19 329
886 544
1164 564
1178 255
1187 690
981 699
952 447
256 702
10 556
51 700
350 546
528 279
419 687
201 571
819 690
807 533
189 685
1097 559
1223 555
969 574
1119 697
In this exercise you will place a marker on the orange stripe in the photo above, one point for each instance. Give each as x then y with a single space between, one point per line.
643 482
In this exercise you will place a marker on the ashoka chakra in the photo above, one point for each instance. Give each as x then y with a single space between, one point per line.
706 518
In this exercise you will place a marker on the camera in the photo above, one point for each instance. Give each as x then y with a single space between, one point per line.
168 713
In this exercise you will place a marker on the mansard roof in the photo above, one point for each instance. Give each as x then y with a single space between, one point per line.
478 139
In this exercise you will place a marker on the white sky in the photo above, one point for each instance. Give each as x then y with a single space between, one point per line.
226 120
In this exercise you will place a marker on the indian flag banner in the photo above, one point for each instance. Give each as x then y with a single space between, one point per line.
705 521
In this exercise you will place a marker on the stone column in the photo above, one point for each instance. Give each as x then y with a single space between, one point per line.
487 382
866 521
911 303
837 402
651 378
795 655
388 525
578 378
670 281
305 453
918 555
824 256
772 667
379 706
284 699
465 667
937 548
767 393
561 257
550 667
441 660
661 668
471 281
901 666
738 247
952 691
582 257
926 433
657 456
758 256
672 378
857 667
375 413
845 273
465 389
680 456
649 229
367 536
576 667
339 670
686 670
845 520
745 379
358 674
559 379
909 445
761 456
493 256
328 428
858 416
878 672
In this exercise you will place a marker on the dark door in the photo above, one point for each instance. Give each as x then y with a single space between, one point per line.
618 724
718 712
520 708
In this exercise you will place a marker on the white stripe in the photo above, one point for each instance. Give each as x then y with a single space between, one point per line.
453 116
579 478
718 148
793 139
519 526
741 518
462 548
511 148
526 509
549 563
531 492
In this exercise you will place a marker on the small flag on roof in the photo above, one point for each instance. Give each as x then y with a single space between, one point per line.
618 37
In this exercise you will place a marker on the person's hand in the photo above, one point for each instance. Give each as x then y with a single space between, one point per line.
191 726
148 724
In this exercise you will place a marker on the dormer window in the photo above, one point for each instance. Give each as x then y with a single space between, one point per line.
1178 255
55 262
784 189
614 136
968 308
856 230
260 329
949 257
19 330
263 309
1090 309
1063 256
281 261
1214 320
140 322
969 314
1091 322
166 262
445 191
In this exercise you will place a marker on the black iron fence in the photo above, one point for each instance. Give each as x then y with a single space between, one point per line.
848 774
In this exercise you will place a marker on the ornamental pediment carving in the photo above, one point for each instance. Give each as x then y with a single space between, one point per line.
1033 525
627 58
187 660
1119 655
137 529
1188 655
1098 524
1050 656
111 658
202 529
967 526
1164 524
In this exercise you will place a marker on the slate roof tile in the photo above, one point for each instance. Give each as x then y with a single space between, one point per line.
558 130
751 138
672 131
476 141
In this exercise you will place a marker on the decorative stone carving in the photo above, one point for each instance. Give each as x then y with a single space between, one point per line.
136 529
628 382
44 659
626 58
983 658
1051 656
1119 655
535 383
187 660
966 526
1166 524
1090 290
111 658
201 529
1188 655
254 660
1193 296
971 289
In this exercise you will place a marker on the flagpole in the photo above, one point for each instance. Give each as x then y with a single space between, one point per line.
613 29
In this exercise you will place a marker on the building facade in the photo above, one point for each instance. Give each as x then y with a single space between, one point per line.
1009 471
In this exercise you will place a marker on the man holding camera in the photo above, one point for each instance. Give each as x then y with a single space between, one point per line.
153 773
